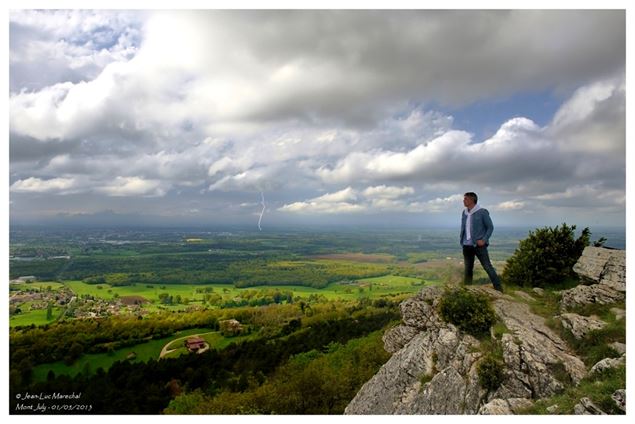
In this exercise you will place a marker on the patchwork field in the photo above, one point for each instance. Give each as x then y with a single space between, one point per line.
372 287
358 257
194 294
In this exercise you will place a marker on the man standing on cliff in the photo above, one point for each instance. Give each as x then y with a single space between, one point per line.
476 229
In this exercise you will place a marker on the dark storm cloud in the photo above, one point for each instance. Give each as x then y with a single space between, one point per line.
454 57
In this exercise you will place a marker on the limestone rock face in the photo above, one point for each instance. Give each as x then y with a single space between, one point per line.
396 388
579 325
434 366
618 347
435 370
608 363
619 396
418 314
397 337
584 295
605 270
523 295
599 265
534 355
587 407
505 406
444 394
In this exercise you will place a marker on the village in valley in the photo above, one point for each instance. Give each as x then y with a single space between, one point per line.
26 297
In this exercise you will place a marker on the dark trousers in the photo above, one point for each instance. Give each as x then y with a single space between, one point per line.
469 252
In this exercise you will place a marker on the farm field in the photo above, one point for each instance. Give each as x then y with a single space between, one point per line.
40 285
215 340
35 317
194 294
378 286
93 361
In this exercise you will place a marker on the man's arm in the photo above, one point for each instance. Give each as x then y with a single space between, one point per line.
489 226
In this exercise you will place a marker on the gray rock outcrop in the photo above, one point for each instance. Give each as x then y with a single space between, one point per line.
505 406
584 295
619 397
605 271
438 351
587 407
524 296
599 265
580 325
618 347
608 363
538 291
434 371
397 337
535 356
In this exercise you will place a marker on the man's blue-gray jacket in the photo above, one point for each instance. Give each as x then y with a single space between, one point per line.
482 226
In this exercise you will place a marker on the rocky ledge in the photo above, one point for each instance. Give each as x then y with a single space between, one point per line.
603 274
433 369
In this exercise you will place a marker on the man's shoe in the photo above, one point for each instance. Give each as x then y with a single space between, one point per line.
500 289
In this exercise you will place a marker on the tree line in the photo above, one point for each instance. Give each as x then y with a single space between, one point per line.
147 388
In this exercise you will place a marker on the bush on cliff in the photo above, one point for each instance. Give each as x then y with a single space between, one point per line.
470 312
491 372
546 257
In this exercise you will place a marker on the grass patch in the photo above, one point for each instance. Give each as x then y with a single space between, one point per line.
371 287
594 346
602 311
499 328
35 317
428 376
40 285
424 379
597 388
547 306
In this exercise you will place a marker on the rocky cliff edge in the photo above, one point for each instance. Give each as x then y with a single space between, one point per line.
434 366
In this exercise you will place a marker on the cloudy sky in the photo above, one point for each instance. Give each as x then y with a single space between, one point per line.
365 117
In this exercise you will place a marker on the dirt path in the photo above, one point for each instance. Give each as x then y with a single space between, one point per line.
165 350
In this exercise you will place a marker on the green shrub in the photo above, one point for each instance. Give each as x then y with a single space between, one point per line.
490 373
470 312
546 257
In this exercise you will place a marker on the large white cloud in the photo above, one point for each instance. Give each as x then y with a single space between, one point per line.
37 185
372 200
343 201
519 151
133 186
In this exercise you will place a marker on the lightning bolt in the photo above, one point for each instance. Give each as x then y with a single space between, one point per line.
263 209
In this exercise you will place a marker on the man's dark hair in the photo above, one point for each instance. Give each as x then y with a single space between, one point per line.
473 196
